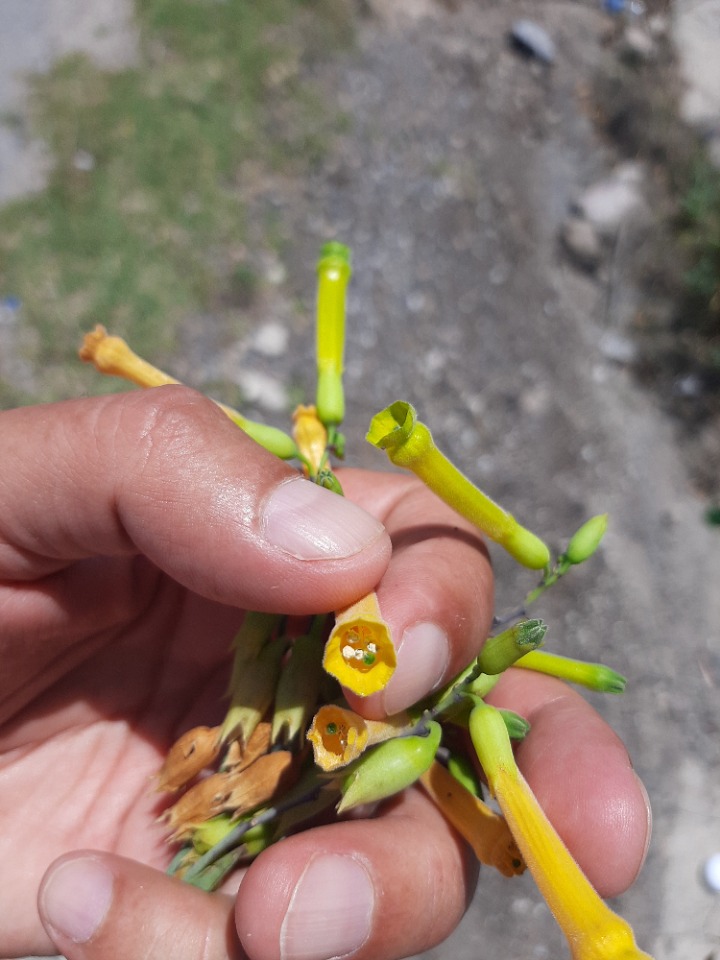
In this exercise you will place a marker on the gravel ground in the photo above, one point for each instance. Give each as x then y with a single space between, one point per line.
458 167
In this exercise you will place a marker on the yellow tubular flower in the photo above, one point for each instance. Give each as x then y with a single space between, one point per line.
486 832
593 931
594 676
359 652
333 275
409 444
112 356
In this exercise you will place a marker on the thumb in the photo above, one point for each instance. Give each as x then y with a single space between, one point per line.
165 474
90 903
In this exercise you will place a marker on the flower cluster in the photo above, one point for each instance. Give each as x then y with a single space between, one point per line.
290 747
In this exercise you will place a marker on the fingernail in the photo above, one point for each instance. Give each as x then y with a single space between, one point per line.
312 523
76 897
330 912
422 658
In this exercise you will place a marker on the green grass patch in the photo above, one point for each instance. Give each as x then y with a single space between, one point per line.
144 213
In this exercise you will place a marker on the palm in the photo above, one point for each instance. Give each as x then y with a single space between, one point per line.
76 763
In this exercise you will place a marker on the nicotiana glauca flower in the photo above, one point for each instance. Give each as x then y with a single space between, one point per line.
486 831
594 676
333 276
408 443
111 355
339 735
360 653
593 930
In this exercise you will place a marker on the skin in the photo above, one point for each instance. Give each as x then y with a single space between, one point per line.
131 539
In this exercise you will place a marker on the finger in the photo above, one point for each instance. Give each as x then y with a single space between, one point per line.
164 473
436 595
98 906
364 888
582 776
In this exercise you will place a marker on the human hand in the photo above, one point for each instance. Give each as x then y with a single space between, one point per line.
133 531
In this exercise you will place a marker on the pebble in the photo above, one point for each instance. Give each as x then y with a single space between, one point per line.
711 873
533 40
271 340
581 240
608 203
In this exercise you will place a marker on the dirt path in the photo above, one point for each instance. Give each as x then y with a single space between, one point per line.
457 169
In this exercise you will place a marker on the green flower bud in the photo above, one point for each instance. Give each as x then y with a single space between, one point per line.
586 540
517 727
506 648
298 689
389 768
594 676
271 438
252 689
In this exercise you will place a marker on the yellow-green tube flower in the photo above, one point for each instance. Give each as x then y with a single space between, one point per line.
409 444
360 653
112 356
593 930
333 275
486 831
594 676
389 768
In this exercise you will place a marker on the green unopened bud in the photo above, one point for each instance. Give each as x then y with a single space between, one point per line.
586 540
333 275
517 727
389 768
252 689
594 676
409 444
465 773
298 689
271 438
506 648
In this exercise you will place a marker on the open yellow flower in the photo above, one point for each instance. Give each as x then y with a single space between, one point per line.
338 737
593 931
359 652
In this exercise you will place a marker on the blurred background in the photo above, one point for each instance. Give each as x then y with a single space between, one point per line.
532 196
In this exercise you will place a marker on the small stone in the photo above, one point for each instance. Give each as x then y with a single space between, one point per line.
271 340
711 873
614 346
637 46
581 240
608 203
533 40
263 390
